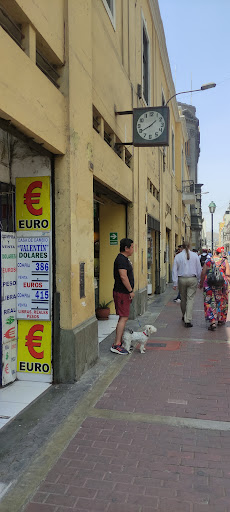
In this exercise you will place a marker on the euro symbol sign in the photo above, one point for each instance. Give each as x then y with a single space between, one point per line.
30 198
10 334
31 343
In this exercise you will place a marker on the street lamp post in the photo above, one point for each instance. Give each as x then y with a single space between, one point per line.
212 208
202 88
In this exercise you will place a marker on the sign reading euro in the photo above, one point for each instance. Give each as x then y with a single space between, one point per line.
33 204
34 347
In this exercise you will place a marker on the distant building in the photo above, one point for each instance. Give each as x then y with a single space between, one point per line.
192 156
226 230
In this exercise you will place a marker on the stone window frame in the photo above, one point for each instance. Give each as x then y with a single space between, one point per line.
110 7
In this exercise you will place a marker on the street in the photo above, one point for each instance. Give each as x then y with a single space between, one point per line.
152 431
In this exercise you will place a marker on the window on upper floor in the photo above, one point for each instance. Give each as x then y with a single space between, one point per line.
145 63
187 148
111 10
182 165
10 26
173 152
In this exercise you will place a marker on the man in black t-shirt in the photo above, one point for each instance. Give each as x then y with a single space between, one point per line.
123 291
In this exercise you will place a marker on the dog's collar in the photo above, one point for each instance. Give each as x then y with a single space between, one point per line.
145 334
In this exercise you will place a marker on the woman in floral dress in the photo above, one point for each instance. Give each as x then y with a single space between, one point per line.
215 299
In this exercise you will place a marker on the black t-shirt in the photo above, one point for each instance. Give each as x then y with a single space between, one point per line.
120 262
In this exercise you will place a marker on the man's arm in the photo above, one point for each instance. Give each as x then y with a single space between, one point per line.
125 281
174 274
199 268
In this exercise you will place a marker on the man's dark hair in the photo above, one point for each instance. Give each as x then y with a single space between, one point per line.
125 242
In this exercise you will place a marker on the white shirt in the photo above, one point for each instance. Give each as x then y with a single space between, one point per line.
186 268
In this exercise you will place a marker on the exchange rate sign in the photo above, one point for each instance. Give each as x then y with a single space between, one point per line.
33 277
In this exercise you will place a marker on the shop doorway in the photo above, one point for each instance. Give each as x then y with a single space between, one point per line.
153 255
96 252
153 262
168 266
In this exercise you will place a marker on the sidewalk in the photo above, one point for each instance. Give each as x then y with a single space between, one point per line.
153 433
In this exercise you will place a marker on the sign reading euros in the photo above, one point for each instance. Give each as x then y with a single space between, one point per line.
33 204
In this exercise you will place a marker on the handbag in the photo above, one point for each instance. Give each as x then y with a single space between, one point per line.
215 278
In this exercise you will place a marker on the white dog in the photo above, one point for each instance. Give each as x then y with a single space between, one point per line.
140 337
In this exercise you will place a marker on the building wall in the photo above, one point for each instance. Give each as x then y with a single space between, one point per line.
100 68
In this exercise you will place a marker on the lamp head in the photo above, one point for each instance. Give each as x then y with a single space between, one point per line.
210 85
212 207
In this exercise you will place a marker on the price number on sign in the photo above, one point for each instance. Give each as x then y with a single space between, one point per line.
42 266
42 295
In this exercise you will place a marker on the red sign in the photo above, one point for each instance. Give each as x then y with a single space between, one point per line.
31 343
30 198
10 334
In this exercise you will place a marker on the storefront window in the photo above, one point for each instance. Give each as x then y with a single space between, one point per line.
7 207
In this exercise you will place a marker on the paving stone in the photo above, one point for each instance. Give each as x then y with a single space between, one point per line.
124 465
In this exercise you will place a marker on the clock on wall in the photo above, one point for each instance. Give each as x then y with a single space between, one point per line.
151 126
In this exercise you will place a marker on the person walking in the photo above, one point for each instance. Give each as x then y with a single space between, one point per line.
215 299
203 256
123 291
186 275
177 298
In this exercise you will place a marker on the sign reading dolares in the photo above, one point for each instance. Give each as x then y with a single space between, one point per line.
34 347
33 204
33 278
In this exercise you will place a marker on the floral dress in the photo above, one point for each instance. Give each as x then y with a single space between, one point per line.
215 299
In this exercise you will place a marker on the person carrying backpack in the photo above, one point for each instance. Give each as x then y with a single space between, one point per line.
203 257
214 280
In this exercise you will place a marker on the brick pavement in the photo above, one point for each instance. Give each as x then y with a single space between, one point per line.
142 463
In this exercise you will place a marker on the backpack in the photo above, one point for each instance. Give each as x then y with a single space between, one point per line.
203 259
215 278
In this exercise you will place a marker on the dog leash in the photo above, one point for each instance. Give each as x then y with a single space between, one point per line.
136 318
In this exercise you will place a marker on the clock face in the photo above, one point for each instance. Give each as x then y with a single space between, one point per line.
150 125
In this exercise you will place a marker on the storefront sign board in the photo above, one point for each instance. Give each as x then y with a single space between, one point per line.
8 330
34 347
33 278
33 204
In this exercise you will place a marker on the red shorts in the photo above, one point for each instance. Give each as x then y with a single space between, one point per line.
122 303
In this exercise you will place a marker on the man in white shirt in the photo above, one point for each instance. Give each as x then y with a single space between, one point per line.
186 275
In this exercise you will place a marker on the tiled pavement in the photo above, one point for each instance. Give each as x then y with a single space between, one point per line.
158 437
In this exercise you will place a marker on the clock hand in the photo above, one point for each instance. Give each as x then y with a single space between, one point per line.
146 128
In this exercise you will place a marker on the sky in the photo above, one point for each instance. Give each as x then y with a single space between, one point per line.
197 36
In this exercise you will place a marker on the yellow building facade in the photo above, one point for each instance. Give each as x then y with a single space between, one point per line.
69 66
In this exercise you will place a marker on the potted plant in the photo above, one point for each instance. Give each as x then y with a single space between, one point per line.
103 311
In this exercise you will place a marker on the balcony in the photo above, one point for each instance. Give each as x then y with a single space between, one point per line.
196 223
188 192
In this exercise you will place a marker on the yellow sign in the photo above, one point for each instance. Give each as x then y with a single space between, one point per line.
34 347
33 204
